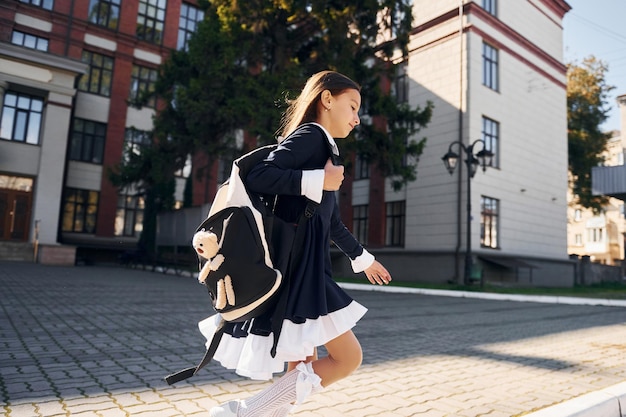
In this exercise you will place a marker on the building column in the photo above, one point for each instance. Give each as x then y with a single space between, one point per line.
3 89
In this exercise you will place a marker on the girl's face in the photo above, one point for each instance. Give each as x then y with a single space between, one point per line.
343 112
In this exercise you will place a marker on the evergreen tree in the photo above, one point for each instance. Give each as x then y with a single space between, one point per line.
247 58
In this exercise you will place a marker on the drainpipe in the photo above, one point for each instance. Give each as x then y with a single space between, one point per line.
68 34
459 208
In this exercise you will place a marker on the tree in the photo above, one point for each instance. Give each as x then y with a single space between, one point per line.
247 57
587 109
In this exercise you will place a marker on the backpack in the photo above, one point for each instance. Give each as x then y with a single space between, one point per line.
246 254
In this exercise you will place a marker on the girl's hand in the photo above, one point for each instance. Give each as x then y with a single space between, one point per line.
378 274
333 176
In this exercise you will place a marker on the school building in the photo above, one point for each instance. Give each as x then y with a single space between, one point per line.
493 70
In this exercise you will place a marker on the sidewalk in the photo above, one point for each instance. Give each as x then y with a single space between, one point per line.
95 341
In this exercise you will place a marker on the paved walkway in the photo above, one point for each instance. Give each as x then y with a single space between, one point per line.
97 341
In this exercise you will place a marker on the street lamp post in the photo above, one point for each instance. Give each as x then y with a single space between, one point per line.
482 158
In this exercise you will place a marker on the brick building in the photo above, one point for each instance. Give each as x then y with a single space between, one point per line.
69 71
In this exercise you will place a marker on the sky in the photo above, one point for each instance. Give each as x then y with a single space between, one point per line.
598 28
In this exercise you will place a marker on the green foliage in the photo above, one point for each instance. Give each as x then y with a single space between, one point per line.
247 57
586 110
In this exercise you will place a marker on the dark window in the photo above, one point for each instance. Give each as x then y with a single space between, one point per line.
395 223
361 168
29 41
185 171
491 6
402 83
134 141
21 117
87 144
46 4
189 18
129 215
490 67
360 223
489 213
151 20
98 78
491 136
105 13
142 81
80 208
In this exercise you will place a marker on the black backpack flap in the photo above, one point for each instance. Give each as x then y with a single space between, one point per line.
243 284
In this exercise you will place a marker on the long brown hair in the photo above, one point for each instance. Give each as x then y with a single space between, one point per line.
304 108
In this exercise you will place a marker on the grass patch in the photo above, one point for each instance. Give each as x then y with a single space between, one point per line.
609 290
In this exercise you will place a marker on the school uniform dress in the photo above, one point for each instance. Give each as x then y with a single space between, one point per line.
318 310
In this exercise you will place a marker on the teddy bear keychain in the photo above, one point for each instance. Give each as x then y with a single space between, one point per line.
207 247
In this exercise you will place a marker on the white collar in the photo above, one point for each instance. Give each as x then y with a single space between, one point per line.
330 139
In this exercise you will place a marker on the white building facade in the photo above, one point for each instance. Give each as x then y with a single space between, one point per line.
494 72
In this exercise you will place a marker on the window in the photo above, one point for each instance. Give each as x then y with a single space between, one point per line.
98 78
395 223
401 84
491 136
105 13
578 239
134 141
150 20
21 118
80 208
361 168
87 144
129 215
578 215
189 18
359 223
142 81
29 41
46 4
489 213
490 67
490 7
595 235
185 171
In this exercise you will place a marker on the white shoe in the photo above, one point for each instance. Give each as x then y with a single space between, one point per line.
228 409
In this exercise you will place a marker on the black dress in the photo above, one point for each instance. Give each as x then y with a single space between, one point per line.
318 310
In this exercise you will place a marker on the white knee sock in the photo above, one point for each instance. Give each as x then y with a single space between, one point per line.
276 400
293 387
282 411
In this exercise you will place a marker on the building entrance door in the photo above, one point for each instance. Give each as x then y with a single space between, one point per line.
15 208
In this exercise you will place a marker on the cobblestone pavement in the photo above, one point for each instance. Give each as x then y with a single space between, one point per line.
97 341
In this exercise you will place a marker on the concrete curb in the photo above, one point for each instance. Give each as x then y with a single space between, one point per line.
548 299
608 402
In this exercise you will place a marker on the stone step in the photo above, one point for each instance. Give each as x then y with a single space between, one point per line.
16 251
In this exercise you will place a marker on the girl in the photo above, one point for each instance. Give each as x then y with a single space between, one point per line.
318 311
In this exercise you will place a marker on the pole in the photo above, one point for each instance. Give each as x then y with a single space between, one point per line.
468 244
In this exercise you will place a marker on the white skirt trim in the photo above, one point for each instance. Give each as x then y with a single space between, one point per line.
250 356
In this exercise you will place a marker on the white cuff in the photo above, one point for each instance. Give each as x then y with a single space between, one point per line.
362 262
312 185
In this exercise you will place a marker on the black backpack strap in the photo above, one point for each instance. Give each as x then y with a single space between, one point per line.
294 259
210 352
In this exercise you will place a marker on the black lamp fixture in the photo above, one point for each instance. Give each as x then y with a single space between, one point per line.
484 158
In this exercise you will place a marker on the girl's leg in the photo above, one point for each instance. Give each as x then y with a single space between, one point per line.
292 365
344 357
